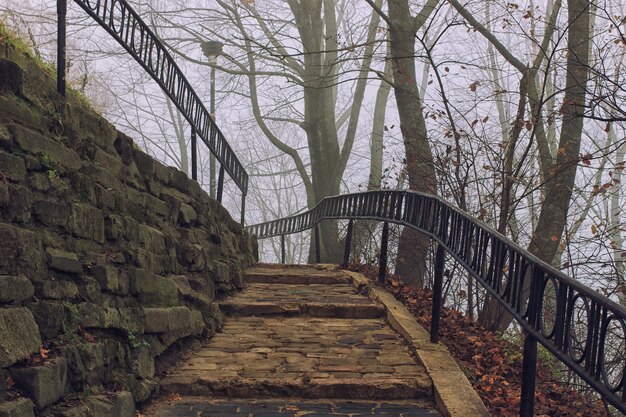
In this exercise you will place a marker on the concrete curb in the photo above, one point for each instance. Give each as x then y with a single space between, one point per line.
454 395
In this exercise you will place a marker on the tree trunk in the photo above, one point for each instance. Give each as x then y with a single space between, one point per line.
553 217
413 246
319 123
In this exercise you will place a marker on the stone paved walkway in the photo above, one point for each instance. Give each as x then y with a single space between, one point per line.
300 333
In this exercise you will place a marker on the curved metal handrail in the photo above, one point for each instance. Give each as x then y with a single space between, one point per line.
126 26
520 282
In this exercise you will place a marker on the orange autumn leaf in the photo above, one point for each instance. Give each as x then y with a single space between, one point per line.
174 397
43 352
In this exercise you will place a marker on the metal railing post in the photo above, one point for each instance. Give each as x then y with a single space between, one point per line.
346 252
317 244
61 38
440 258
243 209
529 360
212 159
529 376
282 249
194 155
220 184
382 268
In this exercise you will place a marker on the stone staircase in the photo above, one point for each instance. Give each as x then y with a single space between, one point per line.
298 337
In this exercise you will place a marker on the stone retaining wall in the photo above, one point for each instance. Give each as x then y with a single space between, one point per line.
107 257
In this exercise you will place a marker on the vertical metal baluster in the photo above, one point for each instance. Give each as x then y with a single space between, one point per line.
282 249
440 258
194 155
383 253
220 184
61 35
346 252
317 243
529 373
529 361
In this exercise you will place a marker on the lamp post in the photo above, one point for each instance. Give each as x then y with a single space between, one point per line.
211 50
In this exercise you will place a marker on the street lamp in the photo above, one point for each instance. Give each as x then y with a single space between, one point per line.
211 50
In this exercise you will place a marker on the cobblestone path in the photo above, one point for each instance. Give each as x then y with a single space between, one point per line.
299 333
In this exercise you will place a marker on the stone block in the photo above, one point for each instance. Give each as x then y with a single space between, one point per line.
44 384
119 405
39 182
94 128
91 315
6 138
89 290
161 172
136 197
143 362
151 239
51 213
154 187
220 272
193 257
103 177
93 359
111 279
132 319
57 154
83 186
54 318
156 206
19 335
104 198
152 289
87 222
133 178
15 110
15 289
4 376
76 373
162 320
12 166
110 162
58 290
187 215
131 228
11 77
22 407
128 319
145 163
16 201
176 322
146 260
113 227
124 146
179 180
143 389
64 261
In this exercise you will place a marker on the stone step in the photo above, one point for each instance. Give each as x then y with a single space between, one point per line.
295 275
200 406
312 309
318 388
314 300
302 357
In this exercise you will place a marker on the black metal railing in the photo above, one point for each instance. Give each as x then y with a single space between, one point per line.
576 324
124 24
